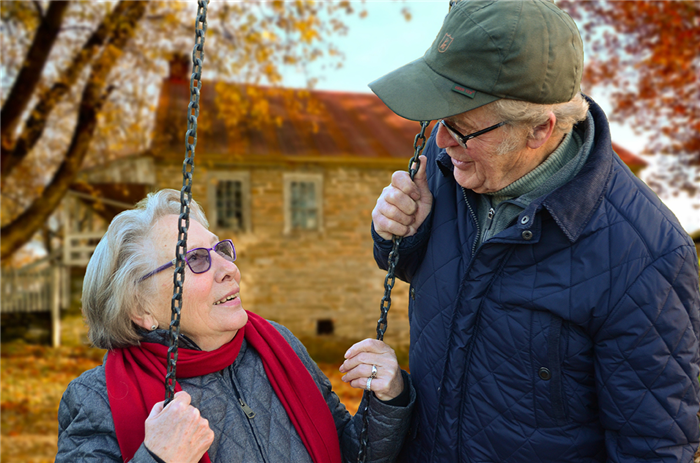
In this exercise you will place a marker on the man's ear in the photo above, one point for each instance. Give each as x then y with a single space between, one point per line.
542 133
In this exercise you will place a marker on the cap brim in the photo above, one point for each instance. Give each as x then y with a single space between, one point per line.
418 93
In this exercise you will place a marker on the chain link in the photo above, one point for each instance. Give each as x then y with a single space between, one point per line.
389 280
185 197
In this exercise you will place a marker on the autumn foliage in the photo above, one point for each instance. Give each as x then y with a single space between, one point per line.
647 54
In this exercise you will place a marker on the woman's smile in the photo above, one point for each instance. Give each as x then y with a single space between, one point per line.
230 300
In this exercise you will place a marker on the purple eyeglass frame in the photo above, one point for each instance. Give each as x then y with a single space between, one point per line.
209 250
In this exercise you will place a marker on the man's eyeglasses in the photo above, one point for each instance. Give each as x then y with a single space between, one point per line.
463 139
199 259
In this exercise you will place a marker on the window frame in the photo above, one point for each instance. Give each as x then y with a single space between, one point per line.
317 180
212 183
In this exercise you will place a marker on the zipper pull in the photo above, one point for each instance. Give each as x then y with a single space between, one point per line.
492 212
246 409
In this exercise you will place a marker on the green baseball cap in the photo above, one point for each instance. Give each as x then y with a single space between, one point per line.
526 50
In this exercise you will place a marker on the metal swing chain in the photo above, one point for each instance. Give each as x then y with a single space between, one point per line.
185 197
389 280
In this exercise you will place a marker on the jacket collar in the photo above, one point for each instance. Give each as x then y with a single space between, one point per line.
573 204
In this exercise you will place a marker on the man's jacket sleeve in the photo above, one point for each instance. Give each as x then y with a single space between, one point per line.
411 251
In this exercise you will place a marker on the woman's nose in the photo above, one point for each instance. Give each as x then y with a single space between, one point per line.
224 269
444 139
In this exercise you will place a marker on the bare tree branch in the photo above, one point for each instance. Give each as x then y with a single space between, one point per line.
20 230
36 123
30 73
39 10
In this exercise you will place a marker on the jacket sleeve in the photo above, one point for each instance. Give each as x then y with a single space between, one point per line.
647 364
85 426
386 431
412 248
388 425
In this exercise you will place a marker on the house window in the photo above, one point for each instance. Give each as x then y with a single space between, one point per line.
229 200
303 202
303 207
229 204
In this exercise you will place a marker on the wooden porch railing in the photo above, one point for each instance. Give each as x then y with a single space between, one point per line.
34 288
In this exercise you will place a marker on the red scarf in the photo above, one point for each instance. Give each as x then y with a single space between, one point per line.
136 381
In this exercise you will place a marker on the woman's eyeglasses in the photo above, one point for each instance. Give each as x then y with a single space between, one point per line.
463 139
199 259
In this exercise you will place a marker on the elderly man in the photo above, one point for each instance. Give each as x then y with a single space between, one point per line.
554 298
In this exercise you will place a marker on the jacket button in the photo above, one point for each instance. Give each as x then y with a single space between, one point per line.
413 293
544 373
527 235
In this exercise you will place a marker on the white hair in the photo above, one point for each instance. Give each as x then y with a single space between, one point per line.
112 290
523 117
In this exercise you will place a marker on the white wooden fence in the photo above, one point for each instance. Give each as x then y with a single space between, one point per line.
40 287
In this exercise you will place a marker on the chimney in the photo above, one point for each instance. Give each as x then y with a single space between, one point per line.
180 68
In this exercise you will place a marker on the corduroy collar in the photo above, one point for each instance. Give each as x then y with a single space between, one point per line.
573 204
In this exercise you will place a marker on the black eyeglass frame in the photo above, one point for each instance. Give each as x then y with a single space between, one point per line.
209 250
463 139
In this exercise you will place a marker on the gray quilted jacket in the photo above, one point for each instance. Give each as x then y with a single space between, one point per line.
86 428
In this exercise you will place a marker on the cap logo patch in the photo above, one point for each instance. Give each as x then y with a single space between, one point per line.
445 43
464 90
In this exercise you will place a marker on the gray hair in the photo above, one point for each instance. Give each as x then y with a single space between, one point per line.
523 117
112 291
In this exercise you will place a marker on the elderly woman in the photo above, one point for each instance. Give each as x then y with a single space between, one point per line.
247 389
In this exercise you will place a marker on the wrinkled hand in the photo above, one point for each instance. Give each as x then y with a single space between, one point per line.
357 367
178 433
403 206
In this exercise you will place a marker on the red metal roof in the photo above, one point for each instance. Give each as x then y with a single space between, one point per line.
343 126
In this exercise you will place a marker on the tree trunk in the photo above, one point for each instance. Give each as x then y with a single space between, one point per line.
14 151
32 68
21 230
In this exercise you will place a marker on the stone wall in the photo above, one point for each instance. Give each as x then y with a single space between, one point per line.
302 277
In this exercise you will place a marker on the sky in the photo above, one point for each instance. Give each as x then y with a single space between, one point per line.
383 41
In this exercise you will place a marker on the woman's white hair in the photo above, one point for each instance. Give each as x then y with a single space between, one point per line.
112 291
523 117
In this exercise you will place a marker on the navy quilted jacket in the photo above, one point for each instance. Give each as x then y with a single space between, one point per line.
571 336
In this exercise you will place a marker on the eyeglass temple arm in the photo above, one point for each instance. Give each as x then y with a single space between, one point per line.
159 269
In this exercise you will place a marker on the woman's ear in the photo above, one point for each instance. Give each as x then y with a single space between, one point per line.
542 133
145 320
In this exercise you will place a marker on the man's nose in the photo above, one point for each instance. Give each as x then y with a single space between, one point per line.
444 139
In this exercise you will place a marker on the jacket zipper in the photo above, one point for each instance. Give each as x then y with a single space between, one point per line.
449 341
246 409
476 221
248 413
470 344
